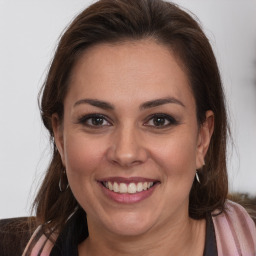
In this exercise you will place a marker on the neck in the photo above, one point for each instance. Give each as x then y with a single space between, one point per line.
186 237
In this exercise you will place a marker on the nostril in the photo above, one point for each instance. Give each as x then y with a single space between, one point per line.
126 163
127 150
126 159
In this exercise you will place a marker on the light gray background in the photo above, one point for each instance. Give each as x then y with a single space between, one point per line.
28 34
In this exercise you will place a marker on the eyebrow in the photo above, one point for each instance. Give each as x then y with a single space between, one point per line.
148 104
95 103
159 102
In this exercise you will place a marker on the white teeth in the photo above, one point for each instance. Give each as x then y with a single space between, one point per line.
123 188
115 187
110 186
150 184
139 187
130 188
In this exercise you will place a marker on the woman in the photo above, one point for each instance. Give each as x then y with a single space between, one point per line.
135 109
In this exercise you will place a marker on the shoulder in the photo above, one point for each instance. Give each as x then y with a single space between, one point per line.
14 234
235 231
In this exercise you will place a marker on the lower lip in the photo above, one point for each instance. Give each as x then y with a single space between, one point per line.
127 198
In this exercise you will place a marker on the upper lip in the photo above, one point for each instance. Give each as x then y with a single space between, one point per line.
127 180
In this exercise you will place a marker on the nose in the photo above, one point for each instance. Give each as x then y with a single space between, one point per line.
126 148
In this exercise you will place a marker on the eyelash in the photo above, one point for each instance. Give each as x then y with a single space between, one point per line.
92 117
171 120
153 118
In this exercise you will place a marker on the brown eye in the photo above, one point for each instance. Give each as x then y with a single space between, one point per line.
94 121
161 121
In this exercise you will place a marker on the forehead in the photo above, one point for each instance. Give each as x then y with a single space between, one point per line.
144 69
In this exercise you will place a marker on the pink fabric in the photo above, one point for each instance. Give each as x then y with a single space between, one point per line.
43 244
235 234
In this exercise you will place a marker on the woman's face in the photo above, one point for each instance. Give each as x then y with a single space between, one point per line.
129 138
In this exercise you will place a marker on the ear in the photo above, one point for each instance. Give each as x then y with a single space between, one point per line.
204 138
58 135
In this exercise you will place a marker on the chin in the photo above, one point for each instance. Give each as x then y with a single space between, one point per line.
130 224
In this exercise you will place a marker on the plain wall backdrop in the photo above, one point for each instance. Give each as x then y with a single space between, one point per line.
29 31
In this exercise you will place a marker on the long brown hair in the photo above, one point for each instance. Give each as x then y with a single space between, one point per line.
109 21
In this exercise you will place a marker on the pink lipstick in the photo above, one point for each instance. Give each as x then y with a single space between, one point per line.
128 190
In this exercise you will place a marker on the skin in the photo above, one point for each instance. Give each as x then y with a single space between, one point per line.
130 143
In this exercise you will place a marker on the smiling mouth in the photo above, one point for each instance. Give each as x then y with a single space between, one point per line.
130 188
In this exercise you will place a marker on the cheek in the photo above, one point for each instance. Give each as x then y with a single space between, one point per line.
83 159
82 156
177 155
